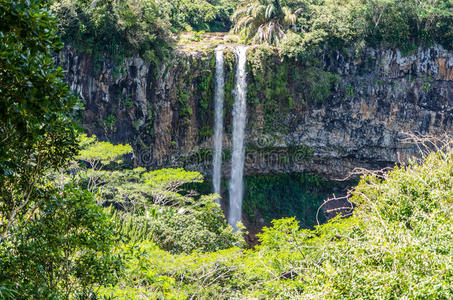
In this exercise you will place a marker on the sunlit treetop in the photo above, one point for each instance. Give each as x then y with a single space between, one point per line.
99 154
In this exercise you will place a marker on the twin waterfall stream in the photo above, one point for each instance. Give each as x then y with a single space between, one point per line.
219 95
239 119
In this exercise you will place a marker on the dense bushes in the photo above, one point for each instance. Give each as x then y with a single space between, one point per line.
153 205
197 227
116 28
409 23
187 15
122 28
64 249
54 241
281 195
404 24
35 106
397 244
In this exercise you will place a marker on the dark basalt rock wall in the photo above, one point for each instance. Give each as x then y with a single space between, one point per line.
165 111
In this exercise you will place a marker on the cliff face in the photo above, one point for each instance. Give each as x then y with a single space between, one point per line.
327 115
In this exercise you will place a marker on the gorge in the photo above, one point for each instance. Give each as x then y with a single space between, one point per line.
324 116
227 149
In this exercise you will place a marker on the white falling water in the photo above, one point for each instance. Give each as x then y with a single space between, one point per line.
218 125
238 154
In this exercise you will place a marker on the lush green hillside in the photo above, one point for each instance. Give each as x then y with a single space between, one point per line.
121 28
397 244
78 222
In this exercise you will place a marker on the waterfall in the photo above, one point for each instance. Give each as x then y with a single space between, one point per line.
238 153
218 126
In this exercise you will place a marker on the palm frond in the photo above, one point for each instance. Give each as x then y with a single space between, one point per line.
265 21
269 10
289 18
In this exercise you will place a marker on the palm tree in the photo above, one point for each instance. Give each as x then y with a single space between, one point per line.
264 21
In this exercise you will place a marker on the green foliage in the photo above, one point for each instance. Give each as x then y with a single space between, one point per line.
334 24
404 24
64 249
229 68
8 290
94 169
264 21
100 154
166 184
95 156
125 189
35 108
318 84
154 205
409 23
171 179
198 36
53 242
294 46
206 132
155 273
117 28
205 90
187 15
277 196
175 221
133 227
110 122
268 84
199 227
397 244
120 28
195 90
128 103
185 109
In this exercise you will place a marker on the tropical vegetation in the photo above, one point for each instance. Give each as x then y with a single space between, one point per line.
121 28
78 220
397 244
263 21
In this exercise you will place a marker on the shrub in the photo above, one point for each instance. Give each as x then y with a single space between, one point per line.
63 250
117 28
201 227
397 244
